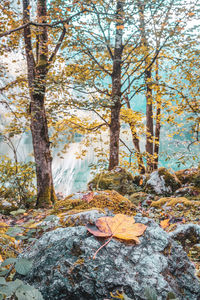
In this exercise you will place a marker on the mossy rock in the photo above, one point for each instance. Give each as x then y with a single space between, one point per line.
189 176
136 198
188 191
196 180
118 179
170 179
8 205
104 200
162 182
140 180
174 201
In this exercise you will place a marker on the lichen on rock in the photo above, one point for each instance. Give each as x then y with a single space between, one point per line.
63 267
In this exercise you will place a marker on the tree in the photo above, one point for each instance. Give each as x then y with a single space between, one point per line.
144 32
100 42
38 66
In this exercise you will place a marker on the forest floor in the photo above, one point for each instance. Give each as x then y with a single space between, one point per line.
24 226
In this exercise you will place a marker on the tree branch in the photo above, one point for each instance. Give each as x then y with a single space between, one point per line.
66 21
58 45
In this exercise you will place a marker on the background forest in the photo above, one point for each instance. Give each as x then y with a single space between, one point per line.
107 82
99 123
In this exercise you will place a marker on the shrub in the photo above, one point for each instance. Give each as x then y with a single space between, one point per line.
17 180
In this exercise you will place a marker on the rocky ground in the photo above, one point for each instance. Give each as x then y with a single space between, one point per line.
171 200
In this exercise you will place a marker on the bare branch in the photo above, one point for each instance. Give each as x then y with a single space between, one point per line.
58 45
54 24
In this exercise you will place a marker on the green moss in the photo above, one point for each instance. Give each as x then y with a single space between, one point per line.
188 176
136 198
174 201
102 200
170 179
118 179
196 180
47 198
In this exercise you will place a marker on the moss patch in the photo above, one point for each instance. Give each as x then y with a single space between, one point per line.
170 179
103 200
174 201
136 198
188 176
118 179
47 198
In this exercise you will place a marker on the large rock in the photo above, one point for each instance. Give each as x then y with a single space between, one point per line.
63 267
117 179
189 176
162 182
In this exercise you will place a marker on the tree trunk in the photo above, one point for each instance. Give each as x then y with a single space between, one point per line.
116 90
158 120
149 122
42 154
37 86
149 98
136 142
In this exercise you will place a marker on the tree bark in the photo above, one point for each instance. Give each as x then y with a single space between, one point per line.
158 120
116 89
149 98
37 87
149 122
136 142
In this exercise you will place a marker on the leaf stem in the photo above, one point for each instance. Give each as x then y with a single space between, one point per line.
108 241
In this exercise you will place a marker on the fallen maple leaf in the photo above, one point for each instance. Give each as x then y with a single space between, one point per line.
120 226
165 223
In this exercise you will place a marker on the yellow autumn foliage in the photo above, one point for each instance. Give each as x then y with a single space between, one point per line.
7 243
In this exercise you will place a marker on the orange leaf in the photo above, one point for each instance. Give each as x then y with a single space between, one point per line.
191 14
165 223
88 197
120 226
120 26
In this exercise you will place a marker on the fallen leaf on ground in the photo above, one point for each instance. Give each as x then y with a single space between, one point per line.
88 197
165 223
120 226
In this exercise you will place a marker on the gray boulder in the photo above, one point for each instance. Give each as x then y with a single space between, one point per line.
64 268
162 182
